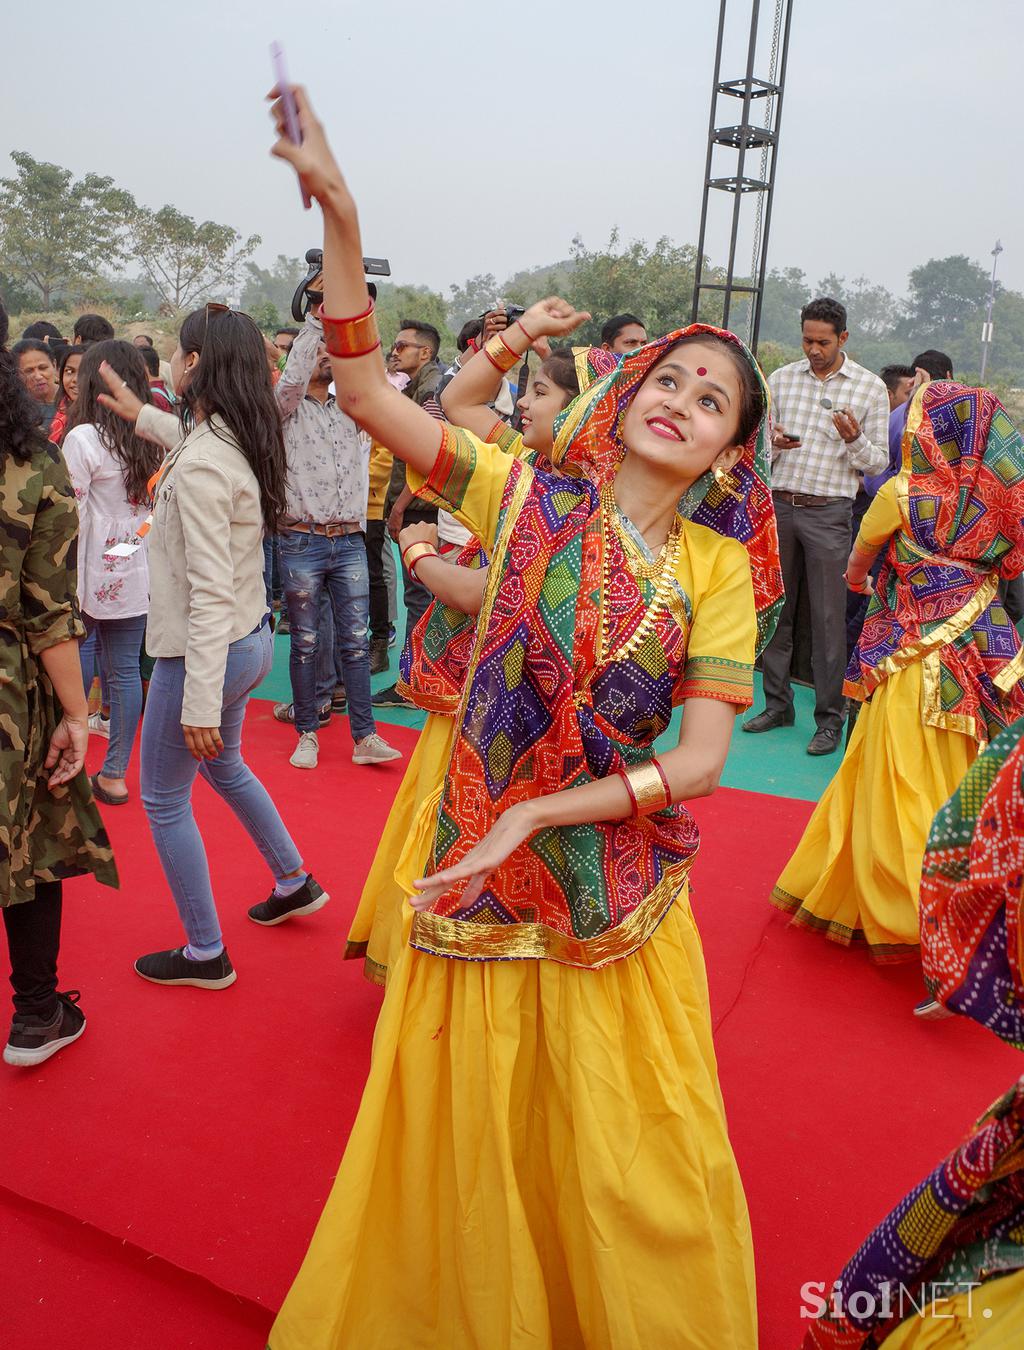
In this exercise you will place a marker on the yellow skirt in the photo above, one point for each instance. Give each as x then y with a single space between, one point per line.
540 1162
989 1318
376 932
856 873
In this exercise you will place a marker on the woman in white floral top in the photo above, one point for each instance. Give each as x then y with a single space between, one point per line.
110 467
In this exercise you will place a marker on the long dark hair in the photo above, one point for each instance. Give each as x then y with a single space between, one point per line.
20 432
232 379
139 458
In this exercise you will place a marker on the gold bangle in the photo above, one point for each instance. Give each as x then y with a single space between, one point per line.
411 557
647 787
500 354
357 336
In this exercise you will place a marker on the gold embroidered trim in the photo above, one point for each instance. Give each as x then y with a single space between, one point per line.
468 941
945 633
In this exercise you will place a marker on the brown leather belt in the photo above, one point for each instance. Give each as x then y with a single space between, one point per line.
331 529
806 498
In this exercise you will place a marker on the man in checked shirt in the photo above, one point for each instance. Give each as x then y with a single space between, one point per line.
831 421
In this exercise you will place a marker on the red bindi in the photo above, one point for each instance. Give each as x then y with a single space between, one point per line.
702 370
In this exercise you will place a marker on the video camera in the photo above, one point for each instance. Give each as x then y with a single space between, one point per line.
306 297
512 312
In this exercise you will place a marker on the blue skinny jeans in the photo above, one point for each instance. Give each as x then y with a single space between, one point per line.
168 772
118 645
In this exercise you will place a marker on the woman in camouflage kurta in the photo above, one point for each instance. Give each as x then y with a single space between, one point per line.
49 826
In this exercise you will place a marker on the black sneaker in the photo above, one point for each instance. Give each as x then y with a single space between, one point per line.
391 698
174 967
339 700
310 897
33 1040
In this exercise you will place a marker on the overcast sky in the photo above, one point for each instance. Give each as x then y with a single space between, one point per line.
480 137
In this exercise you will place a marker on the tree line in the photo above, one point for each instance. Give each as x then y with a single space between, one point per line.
67 241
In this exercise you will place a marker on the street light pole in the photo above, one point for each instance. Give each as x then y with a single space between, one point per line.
986 328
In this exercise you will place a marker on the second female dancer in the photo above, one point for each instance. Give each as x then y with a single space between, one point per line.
541 1156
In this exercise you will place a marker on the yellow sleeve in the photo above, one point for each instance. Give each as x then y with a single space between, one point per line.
468 480
881 519
723 632
380 475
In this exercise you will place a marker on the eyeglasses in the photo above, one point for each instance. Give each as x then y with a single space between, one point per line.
397 347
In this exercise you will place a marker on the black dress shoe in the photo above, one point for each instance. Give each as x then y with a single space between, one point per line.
768 721
824 742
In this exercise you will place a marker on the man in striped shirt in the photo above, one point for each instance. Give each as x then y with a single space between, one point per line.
831 421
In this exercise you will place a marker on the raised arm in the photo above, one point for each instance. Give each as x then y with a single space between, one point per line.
361 388
466 399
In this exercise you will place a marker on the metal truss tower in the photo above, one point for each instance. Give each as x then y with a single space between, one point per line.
751 151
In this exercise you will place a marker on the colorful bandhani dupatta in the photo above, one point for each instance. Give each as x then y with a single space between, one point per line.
971 893
961 496
527 723
962 1225
433 664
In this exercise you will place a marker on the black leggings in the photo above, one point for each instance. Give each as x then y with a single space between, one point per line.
33 940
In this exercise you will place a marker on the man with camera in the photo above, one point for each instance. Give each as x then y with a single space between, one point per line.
321 542
413 353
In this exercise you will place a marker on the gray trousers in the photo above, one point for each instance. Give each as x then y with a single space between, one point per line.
814 544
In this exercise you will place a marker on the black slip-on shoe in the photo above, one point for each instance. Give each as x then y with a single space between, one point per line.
823 742
33 1040
310 897
768 721
174 967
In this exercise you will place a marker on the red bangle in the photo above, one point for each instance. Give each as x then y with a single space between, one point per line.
357 336
492 360
511 350
522 325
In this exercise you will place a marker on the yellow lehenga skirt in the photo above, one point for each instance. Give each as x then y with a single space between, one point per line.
540 1162
856 872
989 1318
376 932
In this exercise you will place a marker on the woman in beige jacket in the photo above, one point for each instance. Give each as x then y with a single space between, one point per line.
219 489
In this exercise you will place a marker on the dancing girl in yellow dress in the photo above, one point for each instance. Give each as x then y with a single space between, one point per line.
938 661
541 1158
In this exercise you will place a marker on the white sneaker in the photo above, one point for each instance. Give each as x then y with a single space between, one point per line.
99 724
306 752
374 749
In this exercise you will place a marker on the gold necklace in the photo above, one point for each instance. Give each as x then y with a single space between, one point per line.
662 571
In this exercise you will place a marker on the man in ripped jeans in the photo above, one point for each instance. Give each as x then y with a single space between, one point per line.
321 546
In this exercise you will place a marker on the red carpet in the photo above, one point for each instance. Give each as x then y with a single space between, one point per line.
203 1130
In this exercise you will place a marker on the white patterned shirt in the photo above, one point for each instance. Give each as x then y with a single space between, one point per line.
823 465
328 456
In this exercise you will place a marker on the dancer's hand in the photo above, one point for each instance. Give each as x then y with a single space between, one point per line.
203 742
419 532
66 754
313 160
512 828
120 400
552 317
863 586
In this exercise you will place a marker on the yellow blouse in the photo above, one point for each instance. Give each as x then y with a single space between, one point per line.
715 604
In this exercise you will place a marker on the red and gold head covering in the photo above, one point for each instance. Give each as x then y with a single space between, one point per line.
588 441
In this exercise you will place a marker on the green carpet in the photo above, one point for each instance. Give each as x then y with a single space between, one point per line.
775 763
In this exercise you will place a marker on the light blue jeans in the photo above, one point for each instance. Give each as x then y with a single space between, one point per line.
118 645
168 772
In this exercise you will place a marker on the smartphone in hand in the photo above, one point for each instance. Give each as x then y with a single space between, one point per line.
793 438
291 112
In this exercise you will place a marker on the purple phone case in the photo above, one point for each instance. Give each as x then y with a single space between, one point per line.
291 112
